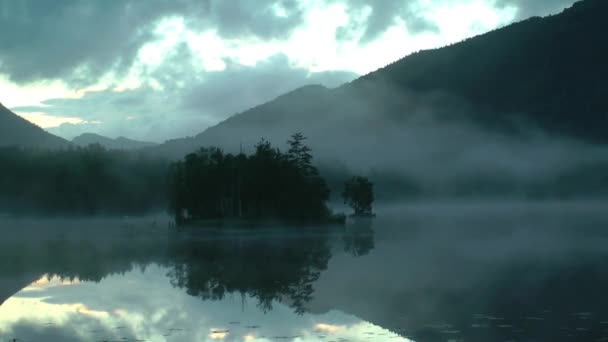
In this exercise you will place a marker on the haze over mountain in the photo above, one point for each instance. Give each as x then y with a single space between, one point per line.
522 103
549 72
120 143
16 131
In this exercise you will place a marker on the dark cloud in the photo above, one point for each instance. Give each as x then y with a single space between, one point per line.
237 18
530 8
80 40
383 15
50 39
240 87
189 101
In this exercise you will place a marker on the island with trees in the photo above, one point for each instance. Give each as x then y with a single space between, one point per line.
208 186
211 185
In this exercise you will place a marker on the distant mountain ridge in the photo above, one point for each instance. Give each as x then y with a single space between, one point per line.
279 116
16 131
120 143
547 73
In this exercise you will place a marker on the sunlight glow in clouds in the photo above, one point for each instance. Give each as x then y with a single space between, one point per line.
218 335
46 282
314 45
249 337
329 328
35 310
48 121
460 20
14 95
170 31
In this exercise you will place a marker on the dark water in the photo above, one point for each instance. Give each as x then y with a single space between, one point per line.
474 272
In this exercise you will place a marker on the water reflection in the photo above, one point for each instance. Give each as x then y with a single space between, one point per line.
234 286
267 269
514 274
525 274
140 306
358 237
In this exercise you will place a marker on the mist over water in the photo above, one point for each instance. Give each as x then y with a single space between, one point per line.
473 271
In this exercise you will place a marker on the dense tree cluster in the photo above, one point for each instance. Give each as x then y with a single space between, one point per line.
80 181
211 184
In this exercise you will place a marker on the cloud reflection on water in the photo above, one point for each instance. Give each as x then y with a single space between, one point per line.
144 305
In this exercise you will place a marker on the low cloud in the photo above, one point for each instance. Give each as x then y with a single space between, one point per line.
81 41
187 104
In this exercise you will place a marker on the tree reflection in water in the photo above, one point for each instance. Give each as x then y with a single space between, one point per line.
275 266
359 237
266 269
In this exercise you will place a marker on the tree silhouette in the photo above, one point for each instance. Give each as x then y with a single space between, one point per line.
300 154
358 194
259 268
80 181
267 184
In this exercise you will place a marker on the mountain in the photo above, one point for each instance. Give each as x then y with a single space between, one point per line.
542 73
547 71
273 119
120 143
16 131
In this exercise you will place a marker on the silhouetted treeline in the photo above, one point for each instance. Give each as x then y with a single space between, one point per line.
80 181
267 184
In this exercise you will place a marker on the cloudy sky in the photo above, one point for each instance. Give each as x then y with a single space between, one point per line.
161 69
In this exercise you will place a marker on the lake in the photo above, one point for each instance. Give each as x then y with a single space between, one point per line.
424 272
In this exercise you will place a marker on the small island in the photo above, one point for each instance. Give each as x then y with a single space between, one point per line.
359 195
211 186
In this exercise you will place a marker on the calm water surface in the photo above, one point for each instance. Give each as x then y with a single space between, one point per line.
474 272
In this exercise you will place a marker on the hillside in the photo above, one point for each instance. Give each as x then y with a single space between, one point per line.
547 71
15 130
274 119
120 143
